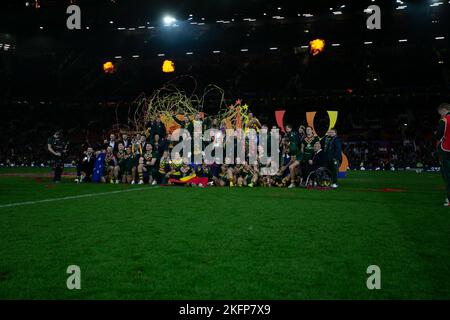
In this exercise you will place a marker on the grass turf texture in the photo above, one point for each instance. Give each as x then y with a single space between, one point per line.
222 243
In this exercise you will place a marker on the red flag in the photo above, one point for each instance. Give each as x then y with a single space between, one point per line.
279 115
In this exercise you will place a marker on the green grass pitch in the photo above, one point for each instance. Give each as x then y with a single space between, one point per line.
222 243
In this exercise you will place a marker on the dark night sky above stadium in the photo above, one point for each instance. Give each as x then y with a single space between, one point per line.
43 53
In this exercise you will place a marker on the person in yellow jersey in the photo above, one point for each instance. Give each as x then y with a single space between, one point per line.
164 168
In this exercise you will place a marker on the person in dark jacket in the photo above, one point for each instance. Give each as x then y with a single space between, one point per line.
319 159
157 127
57 147
85 166
112 142
126 141
332 146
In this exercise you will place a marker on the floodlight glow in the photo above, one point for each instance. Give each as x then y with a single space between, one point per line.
169 20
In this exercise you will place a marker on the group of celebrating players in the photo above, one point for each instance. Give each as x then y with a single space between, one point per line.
147 158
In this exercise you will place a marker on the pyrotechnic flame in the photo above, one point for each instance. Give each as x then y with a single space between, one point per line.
108 67
317 46
168 66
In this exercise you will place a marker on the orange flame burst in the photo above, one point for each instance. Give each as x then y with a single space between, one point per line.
317 46
108 67
168 66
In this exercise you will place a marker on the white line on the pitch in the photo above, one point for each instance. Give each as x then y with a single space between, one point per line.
88 195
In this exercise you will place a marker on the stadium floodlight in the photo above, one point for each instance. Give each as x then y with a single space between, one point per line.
169 20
